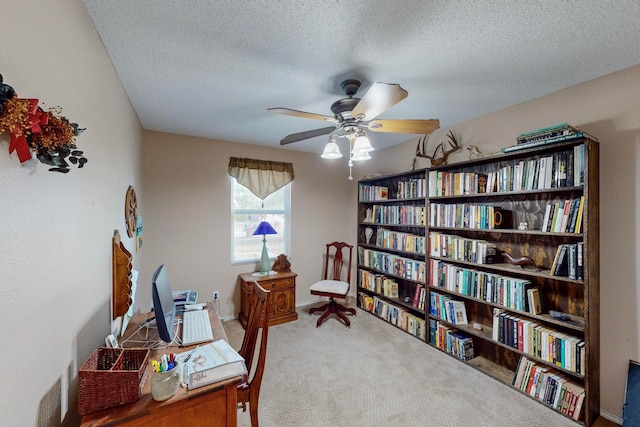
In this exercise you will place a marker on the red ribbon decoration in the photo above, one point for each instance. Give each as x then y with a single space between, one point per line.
18 142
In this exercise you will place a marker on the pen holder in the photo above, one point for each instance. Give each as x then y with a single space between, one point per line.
165 384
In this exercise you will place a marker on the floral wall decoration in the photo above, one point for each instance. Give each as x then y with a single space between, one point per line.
46 133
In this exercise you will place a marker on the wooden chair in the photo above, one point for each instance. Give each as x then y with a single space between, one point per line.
333 283
254 351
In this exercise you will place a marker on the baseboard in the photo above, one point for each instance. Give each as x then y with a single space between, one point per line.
611 417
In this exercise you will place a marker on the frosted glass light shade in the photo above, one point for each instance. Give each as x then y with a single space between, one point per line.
359 156
362 144
331 151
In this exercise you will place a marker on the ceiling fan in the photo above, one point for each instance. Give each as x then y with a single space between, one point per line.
353 115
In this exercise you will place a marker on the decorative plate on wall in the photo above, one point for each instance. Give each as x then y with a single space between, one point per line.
131 211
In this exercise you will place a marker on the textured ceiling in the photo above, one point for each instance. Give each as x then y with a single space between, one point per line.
212 68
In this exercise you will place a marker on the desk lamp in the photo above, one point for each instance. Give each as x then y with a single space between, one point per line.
264 228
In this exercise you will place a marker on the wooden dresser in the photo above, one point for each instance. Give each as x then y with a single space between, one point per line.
283 296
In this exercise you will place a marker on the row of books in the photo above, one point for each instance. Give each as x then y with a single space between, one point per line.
465 215
412 188
450 340
568 261
396 215
530 337
443 183
462 249
393 264
564 216
400 241
393 314
409 188
368 193
549 387
378 283
553 171
509 292
559 170
448 309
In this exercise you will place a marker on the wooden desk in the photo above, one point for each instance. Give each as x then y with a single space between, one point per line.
283 296
213 405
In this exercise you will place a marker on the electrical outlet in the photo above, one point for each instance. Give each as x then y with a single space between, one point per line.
216 295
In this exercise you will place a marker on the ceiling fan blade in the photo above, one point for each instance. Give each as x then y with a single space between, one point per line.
404 126
378 99
304 114
295 137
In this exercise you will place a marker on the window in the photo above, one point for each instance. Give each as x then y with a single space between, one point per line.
247 212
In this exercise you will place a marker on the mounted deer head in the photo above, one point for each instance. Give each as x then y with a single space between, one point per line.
440 154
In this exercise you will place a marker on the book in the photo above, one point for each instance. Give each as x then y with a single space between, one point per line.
561 268
579 261
555 130
533 296
554 264
211 363
572 260
573 214
566 210
578 226
547 215
495 333
459 313
537 143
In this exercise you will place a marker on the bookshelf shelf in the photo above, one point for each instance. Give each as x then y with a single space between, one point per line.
392 260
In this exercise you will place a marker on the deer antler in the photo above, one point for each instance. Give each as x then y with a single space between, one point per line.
435 159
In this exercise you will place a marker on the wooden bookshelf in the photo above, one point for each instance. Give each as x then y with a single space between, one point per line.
519 185
461 204
392 249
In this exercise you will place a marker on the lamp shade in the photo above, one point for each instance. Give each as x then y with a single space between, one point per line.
264 228
358 156
331 151
362 144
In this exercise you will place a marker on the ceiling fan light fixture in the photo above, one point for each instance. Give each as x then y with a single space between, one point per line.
362 144
331 151
359 156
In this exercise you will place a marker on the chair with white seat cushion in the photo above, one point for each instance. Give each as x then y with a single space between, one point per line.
335 283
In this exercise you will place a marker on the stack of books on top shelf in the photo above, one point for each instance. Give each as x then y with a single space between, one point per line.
549 135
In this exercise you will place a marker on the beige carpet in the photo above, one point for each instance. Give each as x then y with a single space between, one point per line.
377 375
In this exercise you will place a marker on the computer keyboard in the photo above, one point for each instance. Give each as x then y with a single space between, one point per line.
196 327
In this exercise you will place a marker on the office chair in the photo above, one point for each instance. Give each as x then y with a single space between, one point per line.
254 351
333 285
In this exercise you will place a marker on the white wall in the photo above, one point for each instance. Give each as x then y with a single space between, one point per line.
608 108
187 214
55 256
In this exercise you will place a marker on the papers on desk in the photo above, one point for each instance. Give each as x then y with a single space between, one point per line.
210 363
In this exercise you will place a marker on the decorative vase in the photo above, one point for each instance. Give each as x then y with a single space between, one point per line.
368 232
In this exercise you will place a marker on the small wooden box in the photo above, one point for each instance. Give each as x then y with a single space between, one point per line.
111 377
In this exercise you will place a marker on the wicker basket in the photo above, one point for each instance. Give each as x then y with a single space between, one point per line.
111 377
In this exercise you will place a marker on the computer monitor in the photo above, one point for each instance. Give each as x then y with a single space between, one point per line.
163 304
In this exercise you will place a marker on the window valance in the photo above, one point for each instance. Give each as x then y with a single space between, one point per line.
261 177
